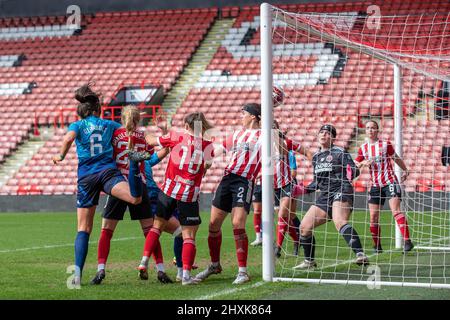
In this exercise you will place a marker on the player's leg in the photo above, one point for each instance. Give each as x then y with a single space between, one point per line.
238 220
165 208
122 191
88 193
402 222
294 225
162 277
189 215
221 206
283 223
174 228
214 243
341 214
375 228
113 212
85 221
257 221
376 201
104 244
114 184
143 212
314 217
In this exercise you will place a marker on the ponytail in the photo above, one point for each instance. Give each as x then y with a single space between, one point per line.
130 120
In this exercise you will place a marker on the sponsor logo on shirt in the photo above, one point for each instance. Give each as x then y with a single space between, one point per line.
323 167
185 181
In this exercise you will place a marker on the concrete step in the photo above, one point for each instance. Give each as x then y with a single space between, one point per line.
24 153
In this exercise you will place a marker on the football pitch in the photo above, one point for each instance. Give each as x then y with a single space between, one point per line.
36 250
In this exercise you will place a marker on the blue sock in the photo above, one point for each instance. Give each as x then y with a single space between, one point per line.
135 180
81 250
178 249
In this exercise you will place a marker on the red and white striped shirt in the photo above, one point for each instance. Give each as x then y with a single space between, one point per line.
282 172
186 165
381 169
120 146
245 146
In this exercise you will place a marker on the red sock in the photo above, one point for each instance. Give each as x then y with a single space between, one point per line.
146 230
402 224
293 232
157 254
151 242
281 231
375 229
104 244
257 221
214 244
241 240
188 255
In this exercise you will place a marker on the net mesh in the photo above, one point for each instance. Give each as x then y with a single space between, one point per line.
338 68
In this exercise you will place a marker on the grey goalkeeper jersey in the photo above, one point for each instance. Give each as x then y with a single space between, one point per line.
334 171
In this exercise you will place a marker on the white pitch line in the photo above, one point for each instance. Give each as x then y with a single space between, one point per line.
228 291
61 245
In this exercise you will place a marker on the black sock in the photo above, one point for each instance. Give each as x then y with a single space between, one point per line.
308 244
351 236
296 222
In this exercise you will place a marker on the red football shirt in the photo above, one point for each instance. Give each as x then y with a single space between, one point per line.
186 165
282 172
381 170
120 145
245 146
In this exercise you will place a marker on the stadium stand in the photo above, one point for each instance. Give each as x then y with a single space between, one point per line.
162 42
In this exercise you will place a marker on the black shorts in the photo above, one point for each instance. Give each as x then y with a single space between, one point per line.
257 193
115 208
282 193
189 212
326 199
233 191
379 195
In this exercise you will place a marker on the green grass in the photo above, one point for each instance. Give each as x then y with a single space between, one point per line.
37 248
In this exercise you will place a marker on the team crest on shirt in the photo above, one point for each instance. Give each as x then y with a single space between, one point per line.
329 158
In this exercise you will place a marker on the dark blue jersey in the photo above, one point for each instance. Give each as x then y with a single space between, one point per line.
334 171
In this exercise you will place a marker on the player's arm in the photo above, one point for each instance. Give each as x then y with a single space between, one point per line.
68 139
151 140
399 161
305 151
360 162
157 157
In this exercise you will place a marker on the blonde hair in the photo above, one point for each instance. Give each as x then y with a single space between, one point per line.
130 120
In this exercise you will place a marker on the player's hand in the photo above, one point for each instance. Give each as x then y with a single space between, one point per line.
298 190
57 158
404 176
162 123
366 163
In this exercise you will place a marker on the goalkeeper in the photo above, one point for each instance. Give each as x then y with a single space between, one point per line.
334 171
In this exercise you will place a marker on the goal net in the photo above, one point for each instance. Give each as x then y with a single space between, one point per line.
344 69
